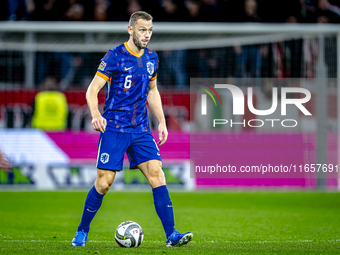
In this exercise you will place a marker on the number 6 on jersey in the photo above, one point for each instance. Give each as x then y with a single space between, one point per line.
128 82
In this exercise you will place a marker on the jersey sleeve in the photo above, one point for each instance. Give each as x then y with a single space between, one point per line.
154 76
107 66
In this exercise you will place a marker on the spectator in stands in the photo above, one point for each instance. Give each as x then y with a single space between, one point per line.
291 11
250 55
30 6
100 10
75 12
133 6
50 107
67 10
249 12
291 19
17 9
327 13
193 7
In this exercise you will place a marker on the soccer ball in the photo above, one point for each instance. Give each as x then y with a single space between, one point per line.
129 234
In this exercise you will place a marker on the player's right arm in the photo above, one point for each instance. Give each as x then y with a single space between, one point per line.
98 122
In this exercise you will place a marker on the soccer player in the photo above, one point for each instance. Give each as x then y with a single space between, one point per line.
130 73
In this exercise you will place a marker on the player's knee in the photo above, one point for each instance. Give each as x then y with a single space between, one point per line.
104 181
156 175
103 186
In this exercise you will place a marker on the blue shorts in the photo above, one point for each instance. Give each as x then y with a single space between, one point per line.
113 145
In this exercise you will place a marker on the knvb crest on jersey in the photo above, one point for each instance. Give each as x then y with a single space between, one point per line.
104 158
150 68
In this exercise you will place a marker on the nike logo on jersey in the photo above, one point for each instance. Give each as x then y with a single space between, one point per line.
158 154
125 69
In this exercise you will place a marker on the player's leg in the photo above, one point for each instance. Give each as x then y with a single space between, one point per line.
111 149
95 197
153 172
144 154
93 202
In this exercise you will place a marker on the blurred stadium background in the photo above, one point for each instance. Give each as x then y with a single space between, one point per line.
58 44
47 43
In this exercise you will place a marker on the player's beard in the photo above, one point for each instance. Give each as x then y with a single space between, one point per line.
137 42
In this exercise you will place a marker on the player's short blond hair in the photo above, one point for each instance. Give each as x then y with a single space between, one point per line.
139 15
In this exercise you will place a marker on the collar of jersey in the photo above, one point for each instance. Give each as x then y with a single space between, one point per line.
129 50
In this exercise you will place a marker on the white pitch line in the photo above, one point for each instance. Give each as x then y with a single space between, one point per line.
212 241
66 241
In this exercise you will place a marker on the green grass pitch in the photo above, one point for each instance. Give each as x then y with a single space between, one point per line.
222 222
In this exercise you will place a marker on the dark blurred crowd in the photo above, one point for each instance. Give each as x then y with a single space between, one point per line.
290 11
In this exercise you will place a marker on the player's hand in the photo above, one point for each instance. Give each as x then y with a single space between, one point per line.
99 124
163 134
5 163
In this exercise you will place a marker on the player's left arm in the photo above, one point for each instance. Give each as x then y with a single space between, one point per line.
155 103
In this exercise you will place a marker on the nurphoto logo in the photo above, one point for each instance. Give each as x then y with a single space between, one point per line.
239 104
104 158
